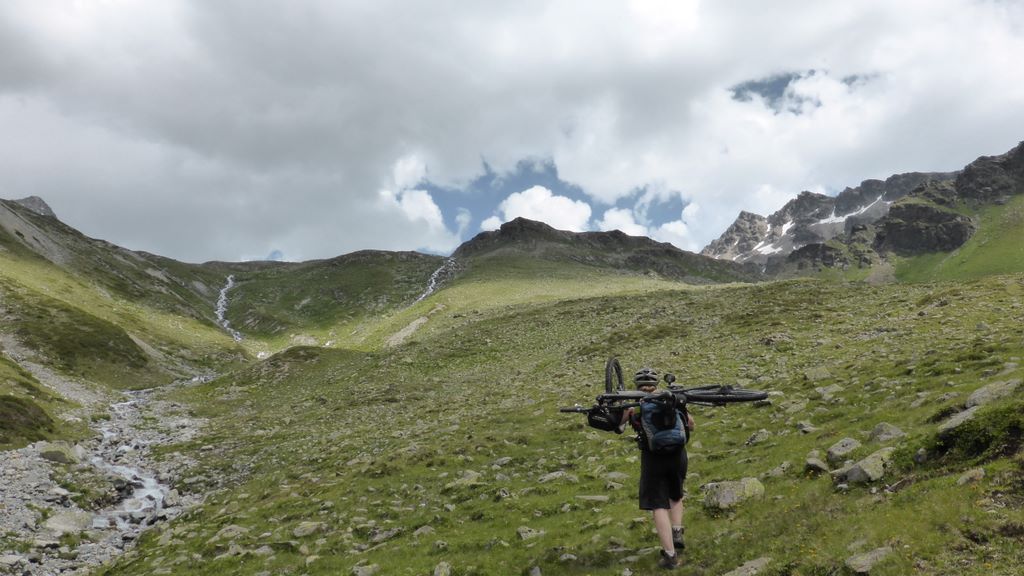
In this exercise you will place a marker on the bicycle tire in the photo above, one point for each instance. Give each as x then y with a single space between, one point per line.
613 376
722 394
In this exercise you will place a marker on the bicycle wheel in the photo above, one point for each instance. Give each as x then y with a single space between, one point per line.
722 394
613 376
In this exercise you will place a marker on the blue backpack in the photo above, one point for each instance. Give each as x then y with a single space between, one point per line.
662 425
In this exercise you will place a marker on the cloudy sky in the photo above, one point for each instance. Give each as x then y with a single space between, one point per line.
294 129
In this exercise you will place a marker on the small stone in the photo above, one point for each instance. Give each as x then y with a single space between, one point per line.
365 570
423 531
443 569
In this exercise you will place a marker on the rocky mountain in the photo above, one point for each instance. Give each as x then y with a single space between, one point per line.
812 218
614 250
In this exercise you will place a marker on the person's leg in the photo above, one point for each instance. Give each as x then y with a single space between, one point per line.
676 512
663 524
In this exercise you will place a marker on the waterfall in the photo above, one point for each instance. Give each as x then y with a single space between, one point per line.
222 309
447 268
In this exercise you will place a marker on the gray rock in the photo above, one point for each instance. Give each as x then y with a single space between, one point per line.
308 528
829 392
992 392
840 450
751 568
728 494
817 374
423 531
365 570
949 426
805 427
971 476
815 466
527 533
443 569
884 432
11 561
68 523
863 563
870 469
559 475
59 452
758 437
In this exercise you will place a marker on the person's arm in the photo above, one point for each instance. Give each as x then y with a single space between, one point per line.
626 416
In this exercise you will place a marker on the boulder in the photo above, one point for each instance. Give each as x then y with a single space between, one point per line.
870 469
863 563
884 432
828 392
840 450
815 466
68 523
308 528
992 392
59 452
949 425
728 494
443 569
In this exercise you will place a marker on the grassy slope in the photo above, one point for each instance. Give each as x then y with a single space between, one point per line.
378 444
997 248
91 335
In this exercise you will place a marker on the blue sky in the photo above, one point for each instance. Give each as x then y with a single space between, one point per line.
312 128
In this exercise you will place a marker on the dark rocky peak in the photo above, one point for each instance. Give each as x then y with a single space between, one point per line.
806 206
521 232
37 205
741 237
891 189
993 177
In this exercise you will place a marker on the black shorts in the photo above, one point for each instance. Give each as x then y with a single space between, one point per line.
661 478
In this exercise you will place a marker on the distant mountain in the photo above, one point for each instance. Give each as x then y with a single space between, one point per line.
813 218
613 250
906 214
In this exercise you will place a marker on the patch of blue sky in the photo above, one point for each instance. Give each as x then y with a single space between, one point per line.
482 196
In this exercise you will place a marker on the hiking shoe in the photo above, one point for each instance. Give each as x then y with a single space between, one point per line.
677 539
668 561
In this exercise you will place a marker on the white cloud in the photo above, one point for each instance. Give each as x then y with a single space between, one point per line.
491 223
538 203
621 219
677 233
201 115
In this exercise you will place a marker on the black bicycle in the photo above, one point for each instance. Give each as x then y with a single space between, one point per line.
606 413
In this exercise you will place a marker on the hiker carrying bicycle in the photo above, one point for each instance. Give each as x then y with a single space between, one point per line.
663 426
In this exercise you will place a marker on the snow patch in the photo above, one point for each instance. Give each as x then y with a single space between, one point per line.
833 219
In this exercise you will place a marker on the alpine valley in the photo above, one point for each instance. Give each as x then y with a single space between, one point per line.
397 412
